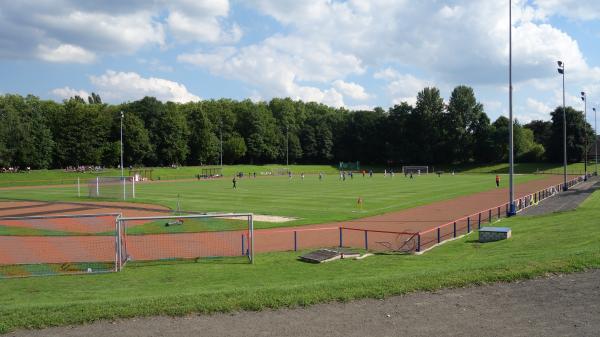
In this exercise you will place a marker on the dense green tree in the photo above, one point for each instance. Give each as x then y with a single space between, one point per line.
463 116
234 149
204 144
577 132
424 132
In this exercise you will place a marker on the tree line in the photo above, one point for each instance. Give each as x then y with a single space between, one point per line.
46 134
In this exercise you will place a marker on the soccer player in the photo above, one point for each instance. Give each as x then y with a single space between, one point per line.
234 181
497 180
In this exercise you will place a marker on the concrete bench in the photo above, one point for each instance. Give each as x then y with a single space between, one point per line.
489 234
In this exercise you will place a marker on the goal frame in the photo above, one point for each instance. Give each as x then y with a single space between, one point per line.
122 227
94 186
423 169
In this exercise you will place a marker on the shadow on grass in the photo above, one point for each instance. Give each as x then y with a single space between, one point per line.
199 260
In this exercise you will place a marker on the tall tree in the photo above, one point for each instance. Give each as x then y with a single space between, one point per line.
463 116
577 130
423 128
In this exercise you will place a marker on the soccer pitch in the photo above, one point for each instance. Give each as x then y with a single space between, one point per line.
308 201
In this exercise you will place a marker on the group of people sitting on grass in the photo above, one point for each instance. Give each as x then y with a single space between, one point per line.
84 168
14 169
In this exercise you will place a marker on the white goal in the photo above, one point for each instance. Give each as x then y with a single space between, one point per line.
415 169
112 188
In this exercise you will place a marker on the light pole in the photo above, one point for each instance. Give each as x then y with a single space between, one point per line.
595 143
287 146
122 168
584 99
561 70
511 162
221 138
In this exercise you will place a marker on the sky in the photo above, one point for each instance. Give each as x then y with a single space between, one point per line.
356 54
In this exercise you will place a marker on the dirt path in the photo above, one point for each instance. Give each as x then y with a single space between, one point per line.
560 305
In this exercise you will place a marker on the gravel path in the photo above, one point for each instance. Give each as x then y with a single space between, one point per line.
566 200
559 305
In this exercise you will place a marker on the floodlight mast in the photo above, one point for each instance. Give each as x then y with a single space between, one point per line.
595 143
561 70
584 99
122 168
511 166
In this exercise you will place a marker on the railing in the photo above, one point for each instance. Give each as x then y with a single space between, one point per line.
432 237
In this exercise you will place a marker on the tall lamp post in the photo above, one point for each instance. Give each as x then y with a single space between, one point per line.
221 138
595 143
511 166
561 70
122 168
584 99
287 146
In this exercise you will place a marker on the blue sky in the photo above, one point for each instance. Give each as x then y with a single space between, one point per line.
354 53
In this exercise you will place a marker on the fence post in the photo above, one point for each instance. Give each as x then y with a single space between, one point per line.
468 225
454 228
479 221
438 235
490 215
366 240
341 240
418 242
242 244
295 241
498 212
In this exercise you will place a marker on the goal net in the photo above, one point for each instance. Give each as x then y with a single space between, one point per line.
58 244
187 237
416 169
112 188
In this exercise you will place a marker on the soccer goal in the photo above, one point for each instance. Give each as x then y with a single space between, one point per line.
187 237
112 188
416 169
59 244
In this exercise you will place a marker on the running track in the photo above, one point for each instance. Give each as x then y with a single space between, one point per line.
46 249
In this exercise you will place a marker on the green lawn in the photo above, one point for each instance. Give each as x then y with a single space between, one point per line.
310 200
525 168
60 177
563 242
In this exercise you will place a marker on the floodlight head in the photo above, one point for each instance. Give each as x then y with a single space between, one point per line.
582 93
594 109
560 64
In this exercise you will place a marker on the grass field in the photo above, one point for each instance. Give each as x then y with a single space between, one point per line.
60 177
563 242
311 201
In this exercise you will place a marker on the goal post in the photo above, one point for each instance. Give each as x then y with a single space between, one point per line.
122 188
186 237
415 169
58 244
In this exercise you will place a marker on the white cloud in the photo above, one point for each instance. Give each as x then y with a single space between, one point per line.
65 53
121 86
111 27
402 87
351 89
534 110
67 92
102 31
574 9
200 20
284 66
